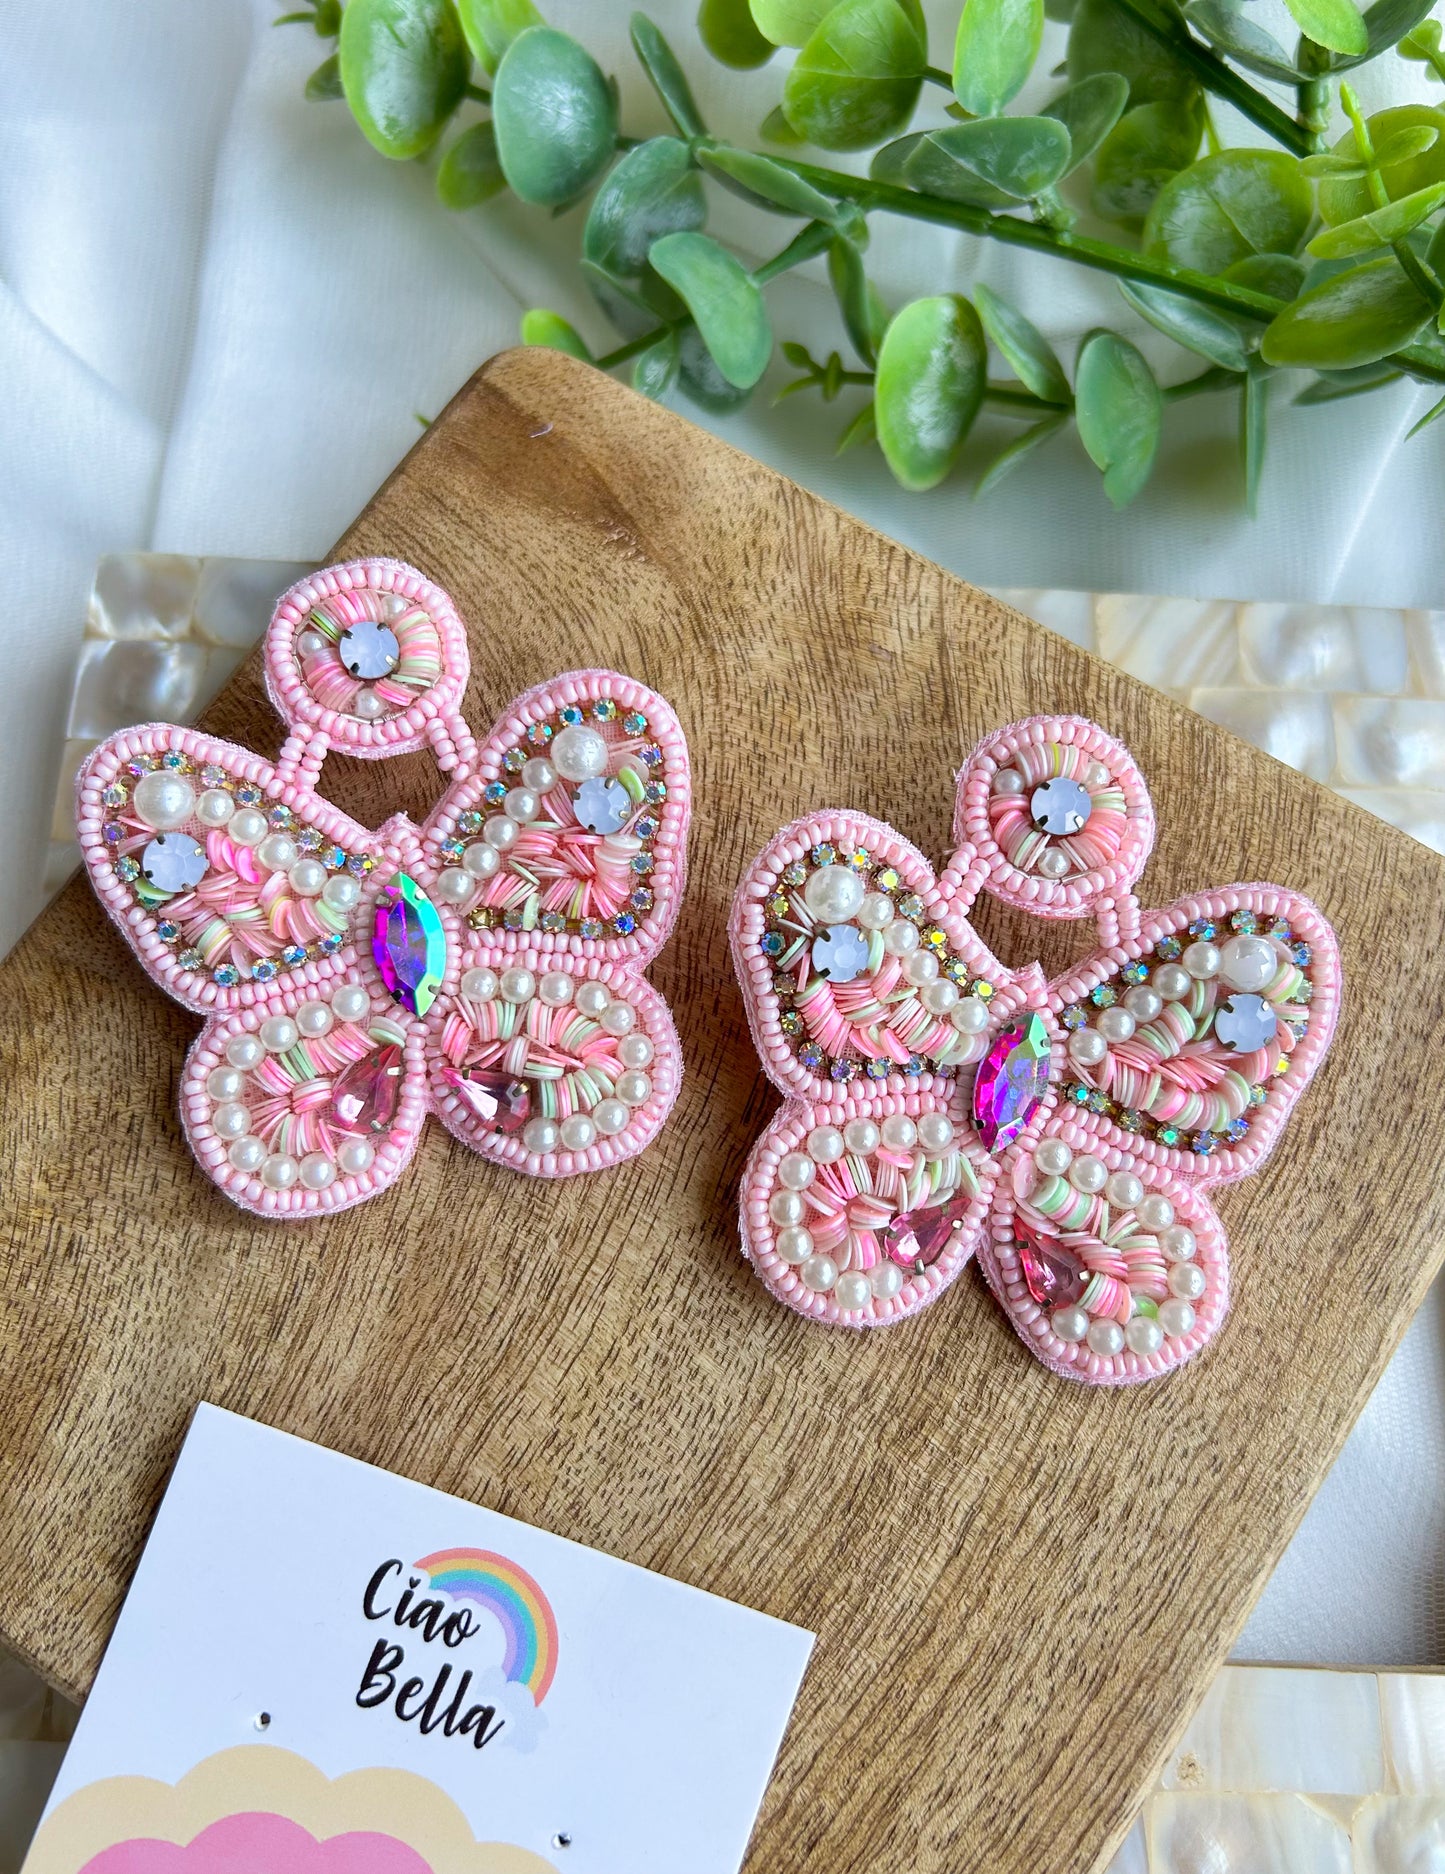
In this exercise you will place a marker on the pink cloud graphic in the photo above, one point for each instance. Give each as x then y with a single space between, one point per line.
240 1844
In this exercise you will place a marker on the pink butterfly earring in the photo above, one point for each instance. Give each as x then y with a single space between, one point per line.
940 1105
485 966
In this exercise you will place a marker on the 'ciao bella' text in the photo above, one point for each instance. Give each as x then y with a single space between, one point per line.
412 1699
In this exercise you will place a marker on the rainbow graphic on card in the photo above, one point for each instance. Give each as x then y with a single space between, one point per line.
514 1600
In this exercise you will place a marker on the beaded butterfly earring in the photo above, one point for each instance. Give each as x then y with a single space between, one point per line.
940 1105
484 966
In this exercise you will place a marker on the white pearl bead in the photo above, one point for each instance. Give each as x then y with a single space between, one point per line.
853 1291
521 805
969 1015
1087 1047
368 706
796 1171
556 989
833 894
636 1051
1144 1335
314 1018
163 800
1176 1317
479 985
1142 1002
1053 862
355 1156
517 985
825 1144
1070 1324
1115 1024
619 1018
1248 963
921 968
579 754
481 860
787 1207
1178 1242
1088 1174
1008 781
395 605
279 1032
248 827
351 1003
1105 1338
541 1136
940 997
1155 1212
935 1133
224 1083
899 1132
876 912
819 1273
1202 960
341 891
634 1088
307 878
278 852
317 1171
248 1154
500 832
245 1050
1096 775
794 1244
592 998
885 1279
539 775
1052 1157
901 937
1123 1189
1173 982
578 1132
280 1171
310 643
215 807
611 1117
861 1136
1187 1280
231 1121
453 885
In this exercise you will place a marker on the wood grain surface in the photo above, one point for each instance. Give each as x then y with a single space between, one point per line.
1021 1586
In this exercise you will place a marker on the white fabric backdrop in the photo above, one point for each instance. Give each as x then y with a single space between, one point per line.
220 312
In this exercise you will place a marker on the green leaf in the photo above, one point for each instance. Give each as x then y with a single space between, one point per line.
654 371
1211 334
997 43
758 179
653 191
1347 198
1320 167
1386 23
1018 451
775 128
1253 418
1380 227
1332 386
1230 30
728 30
788 22
1423 43
555 115
859 431
1105 38
1338 25
324 84
864 314
1436 410
1353 318
1227 206
1030 356
1119 412
725 302
1019 157
634 306
857 79
540 327
1280 275
1400 146
1089 110
932 369
700 378
470 173
492 25
404 68
1150 144
669 80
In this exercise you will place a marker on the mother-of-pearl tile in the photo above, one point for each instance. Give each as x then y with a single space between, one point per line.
1294 726
1176 644
1276 1728
1400 1835
1412 1714
1394 743
1325 647
1226 1834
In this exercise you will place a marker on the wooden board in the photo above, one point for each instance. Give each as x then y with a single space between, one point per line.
1021 1586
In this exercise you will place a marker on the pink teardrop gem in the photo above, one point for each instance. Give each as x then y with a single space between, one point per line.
1052 1273
921 1236
499 1100
365 1096
1012 1079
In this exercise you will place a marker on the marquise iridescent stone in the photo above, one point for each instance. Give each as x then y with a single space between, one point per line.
917 1238
409 943
1052 1273
365 1096
498 1100
1012 1079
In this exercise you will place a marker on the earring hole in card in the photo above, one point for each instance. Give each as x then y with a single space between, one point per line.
262 1721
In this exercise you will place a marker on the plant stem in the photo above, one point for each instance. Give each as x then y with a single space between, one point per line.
1414 269
1215 378
1221 79
937 77
1312 94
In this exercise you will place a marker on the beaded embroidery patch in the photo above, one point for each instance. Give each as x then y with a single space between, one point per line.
485 966
940 1105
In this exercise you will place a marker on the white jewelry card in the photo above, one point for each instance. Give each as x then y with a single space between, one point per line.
323 1668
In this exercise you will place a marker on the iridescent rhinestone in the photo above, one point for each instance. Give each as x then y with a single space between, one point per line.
771 943
127 870
605 709
264 971
112 833
791 1022
515 760
293 954
553 922
190 959
279 815
226 976
495 792
308 839
860 859
590 927
1281 931
1245 922
1130 1119
1135 972
168 931
1301 953
175 761
641 899
811 1056
1203 1144
935 939
248 796
329 945
408 943
1103 995
571 715
910 905
955 969
1079 1094
213 775
470 821
1168 1135
878 1068
451 848
914 1066
779 905
646 828
360 863
1302 992
334 858
1205 929
652 755
1098 1102
114 795
656 792
887 879
539 734
1236 1130
641 862
783 985
635 723
624 923
1169 948
823 855
842 1070
796 874
514 918
982 988
142 764
1258 1095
